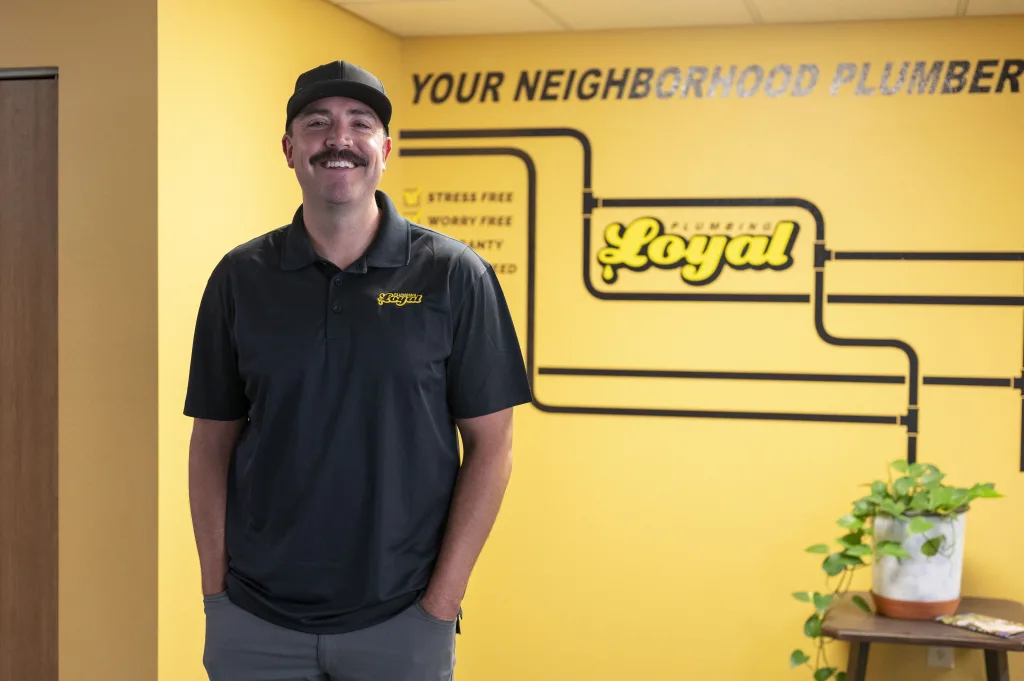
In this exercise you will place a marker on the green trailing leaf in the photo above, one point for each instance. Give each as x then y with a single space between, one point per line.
804 596
985 491
892 508
797 658
958 498
862 508
932 478
919 525
821 602
919 502
851 522
859 550
833 565
850 561
878 489
817 548
901 465
902 486
841 676
939 498
931 547
916 470
852 539
812 626
862 604
891 548
824 673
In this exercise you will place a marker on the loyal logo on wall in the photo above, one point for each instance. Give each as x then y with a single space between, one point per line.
700 258
703 247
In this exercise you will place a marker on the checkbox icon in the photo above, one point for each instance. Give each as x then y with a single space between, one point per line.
411 197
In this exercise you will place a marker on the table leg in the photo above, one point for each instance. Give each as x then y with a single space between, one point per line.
997 667
857 664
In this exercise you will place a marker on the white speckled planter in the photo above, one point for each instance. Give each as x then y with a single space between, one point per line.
919 587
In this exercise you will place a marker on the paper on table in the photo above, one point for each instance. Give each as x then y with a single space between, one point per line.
984 624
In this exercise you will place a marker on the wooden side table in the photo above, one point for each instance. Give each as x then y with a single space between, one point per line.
847 622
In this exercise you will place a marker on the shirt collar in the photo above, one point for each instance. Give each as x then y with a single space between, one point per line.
391 247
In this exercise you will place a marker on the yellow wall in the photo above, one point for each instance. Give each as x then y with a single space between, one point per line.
227 68
667 548
639 546
107 323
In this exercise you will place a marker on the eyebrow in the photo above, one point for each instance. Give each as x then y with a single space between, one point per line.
358 111
315 112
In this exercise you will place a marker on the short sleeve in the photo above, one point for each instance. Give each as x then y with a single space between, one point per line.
486 371
215 390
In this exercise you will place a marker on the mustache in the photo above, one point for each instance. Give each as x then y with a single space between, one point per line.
338 155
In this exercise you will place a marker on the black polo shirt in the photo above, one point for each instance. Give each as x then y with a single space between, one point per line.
339 489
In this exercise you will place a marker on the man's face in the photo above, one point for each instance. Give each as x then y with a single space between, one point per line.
338 149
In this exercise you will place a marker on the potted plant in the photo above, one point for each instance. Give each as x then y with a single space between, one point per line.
915 523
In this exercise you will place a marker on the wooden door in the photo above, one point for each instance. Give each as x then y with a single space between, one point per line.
28 376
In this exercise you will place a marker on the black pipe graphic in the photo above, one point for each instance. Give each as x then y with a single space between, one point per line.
910 418
981 301
726 375
931 256
822 255
531 270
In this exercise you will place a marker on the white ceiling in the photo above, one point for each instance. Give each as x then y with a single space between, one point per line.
409 18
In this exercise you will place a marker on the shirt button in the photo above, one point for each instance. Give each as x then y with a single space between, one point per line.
337 281
336 308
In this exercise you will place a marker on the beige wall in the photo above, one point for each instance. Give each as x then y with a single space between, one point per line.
107 299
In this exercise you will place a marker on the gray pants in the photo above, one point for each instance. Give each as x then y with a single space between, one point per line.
412 646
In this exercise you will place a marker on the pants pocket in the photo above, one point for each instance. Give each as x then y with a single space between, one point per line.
419 647
239 645
422 612
212 598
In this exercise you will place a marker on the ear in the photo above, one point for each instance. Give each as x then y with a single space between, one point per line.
289 150
385 150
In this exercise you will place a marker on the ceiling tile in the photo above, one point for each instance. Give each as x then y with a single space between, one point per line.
781 11
976 8
587 15
467 17
453 17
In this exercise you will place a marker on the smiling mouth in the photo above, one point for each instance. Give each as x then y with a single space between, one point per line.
337 164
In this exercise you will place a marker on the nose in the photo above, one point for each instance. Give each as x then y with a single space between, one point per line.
339 137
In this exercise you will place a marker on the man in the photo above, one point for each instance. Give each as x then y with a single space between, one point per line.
336 361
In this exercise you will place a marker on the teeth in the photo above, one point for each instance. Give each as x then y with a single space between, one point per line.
339 164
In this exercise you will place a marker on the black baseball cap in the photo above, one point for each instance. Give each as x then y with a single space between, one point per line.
340 79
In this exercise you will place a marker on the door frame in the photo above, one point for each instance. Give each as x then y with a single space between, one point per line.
37 73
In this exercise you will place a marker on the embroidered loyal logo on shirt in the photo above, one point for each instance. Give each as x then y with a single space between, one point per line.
399 299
